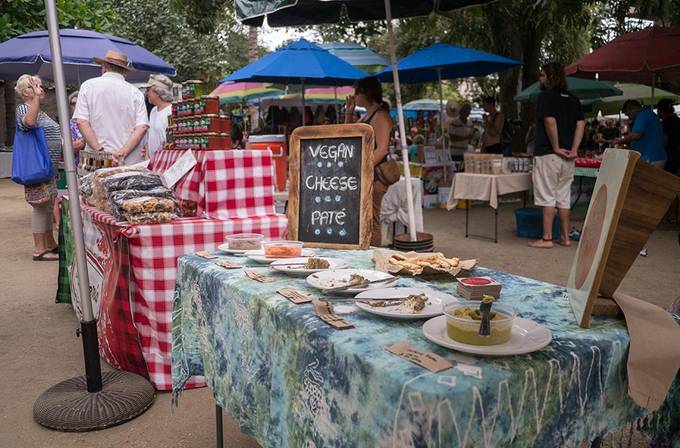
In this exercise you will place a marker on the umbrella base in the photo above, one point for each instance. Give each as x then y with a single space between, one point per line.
424 242
68 406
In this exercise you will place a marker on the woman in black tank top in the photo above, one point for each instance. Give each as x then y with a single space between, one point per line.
368 94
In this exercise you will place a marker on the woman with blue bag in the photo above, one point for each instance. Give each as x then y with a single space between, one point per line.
37 151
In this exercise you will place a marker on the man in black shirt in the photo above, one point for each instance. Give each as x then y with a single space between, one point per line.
559 131
671 134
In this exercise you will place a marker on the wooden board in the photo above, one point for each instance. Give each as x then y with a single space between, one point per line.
629 200
331 186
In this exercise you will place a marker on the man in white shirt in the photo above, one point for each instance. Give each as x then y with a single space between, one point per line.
461 131
111 113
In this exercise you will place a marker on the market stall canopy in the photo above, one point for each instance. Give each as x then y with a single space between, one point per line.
301 62
336 95
425 104
30 53
639 92
443 61
239 92
356 54
643 57
310 12
579 87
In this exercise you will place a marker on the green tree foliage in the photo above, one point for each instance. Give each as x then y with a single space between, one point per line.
167 31
22 16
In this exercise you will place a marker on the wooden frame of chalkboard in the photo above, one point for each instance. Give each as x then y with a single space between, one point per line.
330 194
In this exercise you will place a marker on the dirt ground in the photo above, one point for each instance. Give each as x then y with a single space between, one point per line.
38 346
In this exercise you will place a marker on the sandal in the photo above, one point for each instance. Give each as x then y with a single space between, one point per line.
45 256
55 250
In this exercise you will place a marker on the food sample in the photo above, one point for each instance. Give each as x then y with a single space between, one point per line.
147 204
356 280
150 218
463 322
244 241
282 249
415 265
413 304
316 263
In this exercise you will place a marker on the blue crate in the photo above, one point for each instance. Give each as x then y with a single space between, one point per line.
530 223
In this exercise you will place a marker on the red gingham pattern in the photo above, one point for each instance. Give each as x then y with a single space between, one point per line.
154 250
225 184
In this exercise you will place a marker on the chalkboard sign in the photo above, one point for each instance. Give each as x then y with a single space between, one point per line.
331 185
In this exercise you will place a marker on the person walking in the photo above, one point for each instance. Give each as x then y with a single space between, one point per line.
494 121
559 130
111 112
40 196
368 94
159 93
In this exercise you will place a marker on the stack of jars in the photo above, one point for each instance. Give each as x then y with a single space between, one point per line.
197 124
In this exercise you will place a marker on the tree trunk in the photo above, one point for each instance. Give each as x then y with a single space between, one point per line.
531 58
10 118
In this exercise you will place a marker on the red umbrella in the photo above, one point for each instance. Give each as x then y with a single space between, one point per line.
648 56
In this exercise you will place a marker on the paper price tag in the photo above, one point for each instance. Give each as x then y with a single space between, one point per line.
294 296
254 275
428 360
325 312
228 265
181 167
206 254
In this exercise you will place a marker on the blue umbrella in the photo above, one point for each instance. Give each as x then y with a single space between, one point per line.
443 61
30 53
298 63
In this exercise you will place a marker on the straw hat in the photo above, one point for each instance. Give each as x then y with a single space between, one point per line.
452 108
115 58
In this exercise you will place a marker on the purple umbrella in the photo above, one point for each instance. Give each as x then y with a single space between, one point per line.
30 53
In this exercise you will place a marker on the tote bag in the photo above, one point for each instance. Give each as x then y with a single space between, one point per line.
30 160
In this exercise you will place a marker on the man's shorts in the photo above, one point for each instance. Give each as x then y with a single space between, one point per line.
552 178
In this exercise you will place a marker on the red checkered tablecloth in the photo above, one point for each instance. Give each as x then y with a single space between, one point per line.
225 184
154 250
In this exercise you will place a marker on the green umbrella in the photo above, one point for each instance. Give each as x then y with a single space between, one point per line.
639 92
580 88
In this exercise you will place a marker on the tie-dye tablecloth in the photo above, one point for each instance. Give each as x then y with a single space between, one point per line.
293 381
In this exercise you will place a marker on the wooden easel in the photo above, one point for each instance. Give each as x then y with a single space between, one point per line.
629 200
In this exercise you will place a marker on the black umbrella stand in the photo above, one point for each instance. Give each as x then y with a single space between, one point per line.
93 401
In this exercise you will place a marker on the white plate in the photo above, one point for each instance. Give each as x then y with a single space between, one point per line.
225 248
435 301
527 336
298 271
258 256
338 277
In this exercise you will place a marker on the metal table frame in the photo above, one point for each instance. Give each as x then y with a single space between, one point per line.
495 212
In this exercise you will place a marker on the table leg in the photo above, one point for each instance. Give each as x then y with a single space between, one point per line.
467 215
218 426
580 191
495 227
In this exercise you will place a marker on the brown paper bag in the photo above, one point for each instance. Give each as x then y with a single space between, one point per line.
654 355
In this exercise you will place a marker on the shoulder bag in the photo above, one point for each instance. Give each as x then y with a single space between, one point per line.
30 159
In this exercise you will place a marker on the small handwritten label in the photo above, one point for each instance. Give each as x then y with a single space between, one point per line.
428 360
206 254
254 275
228 265
325 312
470 370
294 296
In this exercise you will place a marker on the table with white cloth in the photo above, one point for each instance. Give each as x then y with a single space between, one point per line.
488 188
394 209
5 164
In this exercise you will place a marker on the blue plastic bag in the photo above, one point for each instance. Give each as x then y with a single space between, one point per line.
31 162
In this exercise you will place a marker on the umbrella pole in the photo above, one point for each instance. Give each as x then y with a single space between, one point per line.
445 140
303 103
75 404
335 104
402 128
